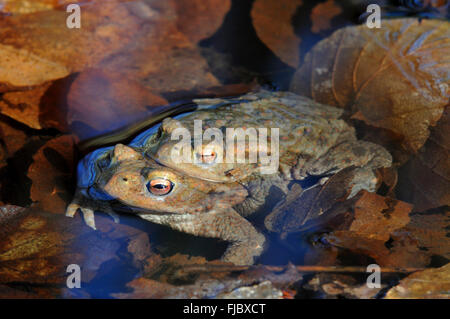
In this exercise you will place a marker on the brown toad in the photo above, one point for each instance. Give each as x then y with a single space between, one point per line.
208 196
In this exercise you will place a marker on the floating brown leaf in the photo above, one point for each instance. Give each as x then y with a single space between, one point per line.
51 174
429 283
395 77
272 22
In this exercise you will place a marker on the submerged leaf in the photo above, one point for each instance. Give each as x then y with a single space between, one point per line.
429 283
20 68
425 179
395 77
23 106
104 101
272 22
51 174
199 19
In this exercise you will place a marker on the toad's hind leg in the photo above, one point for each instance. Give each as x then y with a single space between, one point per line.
364 156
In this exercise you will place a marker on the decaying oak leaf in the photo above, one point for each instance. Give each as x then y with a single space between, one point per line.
105 101
144 288
23 106
106 27
212 280
26 6
376 219
36 247
406 253
425 179
21 68
431 231
199 19
431 283
322 14
395 77
263 290
272 22
344 286
51 173
12 137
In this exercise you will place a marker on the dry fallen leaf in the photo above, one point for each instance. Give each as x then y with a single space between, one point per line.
406 60
426 284
51 174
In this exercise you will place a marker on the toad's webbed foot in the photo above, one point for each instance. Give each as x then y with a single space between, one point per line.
246 243
88 207
244 252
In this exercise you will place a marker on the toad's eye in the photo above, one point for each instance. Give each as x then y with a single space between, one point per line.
207 156
160 186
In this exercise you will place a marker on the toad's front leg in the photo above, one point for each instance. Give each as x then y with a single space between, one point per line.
87 207
246 243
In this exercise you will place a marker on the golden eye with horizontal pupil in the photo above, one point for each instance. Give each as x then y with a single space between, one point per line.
160 186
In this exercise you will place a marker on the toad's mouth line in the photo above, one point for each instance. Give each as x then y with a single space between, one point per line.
126 208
